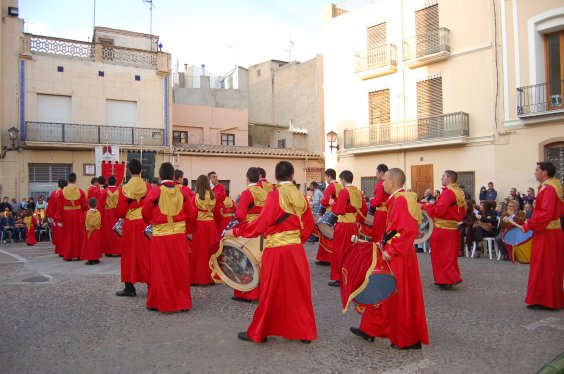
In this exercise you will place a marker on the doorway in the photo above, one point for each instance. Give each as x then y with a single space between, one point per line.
421 179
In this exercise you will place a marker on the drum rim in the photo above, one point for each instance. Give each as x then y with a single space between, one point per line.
427 236
322 223
225 278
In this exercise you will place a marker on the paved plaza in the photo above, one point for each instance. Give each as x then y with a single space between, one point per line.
63 317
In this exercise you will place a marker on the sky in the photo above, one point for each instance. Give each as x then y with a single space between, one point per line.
217 33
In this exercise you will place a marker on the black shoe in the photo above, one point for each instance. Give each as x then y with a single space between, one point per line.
152 309
305 341
334 284
538 307
91 262
128 291
243 336
414 346
322 263
445 287
235 298
362 334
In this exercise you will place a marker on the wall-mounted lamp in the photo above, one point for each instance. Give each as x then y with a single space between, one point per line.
13 134
332 138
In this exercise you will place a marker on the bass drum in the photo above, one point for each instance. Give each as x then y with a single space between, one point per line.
238 262
425 228
522 243
326 225
318 212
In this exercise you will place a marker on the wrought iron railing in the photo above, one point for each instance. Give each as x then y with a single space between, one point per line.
426 44
540 98
383 55
129 56
63 47
92 134
435 127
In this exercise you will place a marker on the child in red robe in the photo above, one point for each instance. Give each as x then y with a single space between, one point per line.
30 225
92 247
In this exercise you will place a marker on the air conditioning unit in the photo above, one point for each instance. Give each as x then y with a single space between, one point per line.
556 101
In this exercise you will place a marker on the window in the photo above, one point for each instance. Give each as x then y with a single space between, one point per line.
258 73
368 184
427 19
554 57
147 163
555 153
281 143
429 106
121 113
227 139
180 136
467 179
54 108
376 35
379 114
43 178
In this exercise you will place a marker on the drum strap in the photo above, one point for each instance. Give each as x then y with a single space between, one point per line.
283 218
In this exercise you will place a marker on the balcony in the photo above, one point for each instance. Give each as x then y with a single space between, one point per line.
426 48
377 61
38 44
445 129
538 99
48 134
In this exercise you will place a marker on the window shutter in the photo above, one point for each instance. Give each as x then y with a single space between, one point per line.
427 19
430 97
376 35
379 106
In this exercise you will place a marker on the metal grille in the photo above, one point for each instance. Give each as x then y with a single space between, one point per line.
376 35
128 56
467 178
555 154
368 184
43 178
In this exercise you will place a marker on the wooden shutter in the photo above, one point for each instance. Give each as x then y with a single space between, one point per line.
376 35
379 106
427 19
430 97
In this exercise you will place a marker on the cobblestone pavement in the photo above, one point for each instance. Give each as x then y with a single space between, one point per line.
63 317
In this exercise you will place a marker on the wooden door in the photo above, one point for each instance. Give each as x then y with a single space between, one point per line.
421 179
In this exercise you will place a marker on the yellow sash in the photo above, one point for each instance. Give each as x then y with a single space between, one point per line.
445 223
282 238
172 228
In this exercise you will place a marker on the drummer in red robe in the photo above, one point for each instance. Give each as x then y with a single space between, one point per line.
263 182
350 203
111 243
51 213
445 241
135 250
94 189
208 211
218 189
229 208
325 249
92 247
405 324
179 182
379 203
285 306
546 276
170 211
70 207
30 224
250 205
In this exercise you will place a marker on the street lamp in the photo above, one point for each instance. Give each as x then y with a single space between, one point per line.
332 138
13 134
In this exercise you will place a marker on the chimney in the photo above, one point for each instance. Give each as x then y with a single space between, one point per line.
203 69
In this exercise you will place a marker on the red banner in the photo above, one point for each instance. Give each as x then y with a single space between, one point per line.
116 169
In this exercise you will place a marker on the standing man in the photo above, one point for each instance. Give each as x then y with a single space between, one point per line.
316 195
263 183
169 210
545 290
379 203
219 192
94 189
250 205
51 214
445 240
285 306
72 203
135 251
405 323
111 242
349 203
325 249
179 182
491 193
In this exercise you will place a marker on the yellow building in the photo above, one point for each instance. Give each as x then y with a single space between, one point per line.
67 99
428 86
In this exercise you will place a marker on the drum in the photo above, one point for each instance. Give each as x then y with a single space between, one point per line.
238 262
148 232
425 228
326 224
118 227
318 212
522 243
365 232
366 279
369 220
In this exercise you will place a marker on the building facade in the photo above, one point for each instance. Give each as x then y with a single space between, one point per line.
428 86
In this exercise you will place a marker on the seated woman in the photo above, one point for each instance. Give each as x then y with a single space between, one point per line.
485 226
512 214
467 227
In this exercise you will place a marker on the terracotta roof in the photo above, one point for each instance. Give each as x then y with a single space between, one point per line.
222 149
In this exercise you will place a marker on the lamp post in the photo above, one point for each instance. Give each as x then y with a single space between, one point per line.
13 134
332 138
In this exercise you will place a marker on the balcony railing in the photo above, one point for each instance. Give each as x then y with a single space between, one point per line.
540 98
426 44
91 134
383 55
92 51
426 128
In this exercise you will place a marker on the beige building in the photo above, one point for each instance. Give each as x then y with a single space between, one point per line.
68 99
433 85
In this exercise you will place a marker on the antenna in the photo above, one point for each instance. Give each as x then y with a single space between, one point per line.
150 2
290 48
234 45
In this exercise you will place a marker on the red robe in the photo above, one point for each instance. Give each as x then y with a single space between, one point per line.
229 207
51 212
344 230
401 317
111 244
93 191
379 202
445 242
285 306
92 246
325 248
202 240
70 213
170 260
546 275
135 250
30 226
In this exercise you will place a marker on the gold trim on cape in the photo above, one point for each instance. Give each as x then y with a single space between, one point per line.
135 188
112 199
555 183
71 193
93 221
460 200
292 201
412 205
259 195
170 202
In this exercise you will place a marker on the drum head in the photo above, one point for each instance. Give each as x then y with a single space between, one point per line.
237 266
425 228
380 287
515 236
326 224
